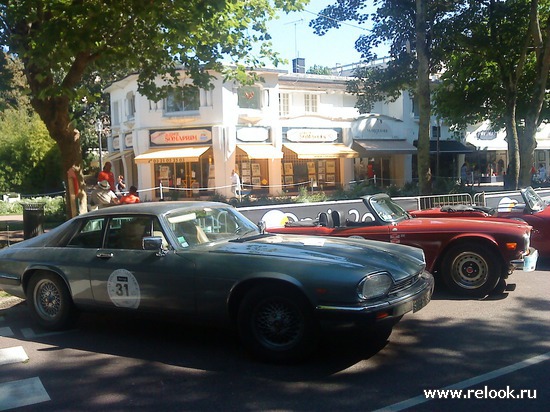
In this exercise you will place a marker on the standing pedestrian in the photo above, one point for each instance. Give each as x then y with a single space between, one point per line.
120 186
107 174
235 183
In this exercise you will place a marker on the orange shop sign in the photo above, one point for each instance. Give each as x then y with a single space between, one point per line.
171 137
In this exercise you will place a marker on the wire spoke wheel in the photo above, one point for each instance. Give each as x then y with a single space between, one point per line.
48 299
50 302
278 324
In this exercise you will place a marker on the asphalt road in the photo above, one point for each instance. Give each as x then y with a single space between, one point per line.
491 349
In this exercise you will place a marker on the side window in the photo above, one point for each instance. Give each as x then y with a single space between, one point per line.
89 236
127 232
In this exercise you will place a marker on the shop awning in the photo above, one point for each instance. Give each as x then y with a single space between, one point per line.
321 150
448 147
179 155
368 147
261 151
117 155
483 137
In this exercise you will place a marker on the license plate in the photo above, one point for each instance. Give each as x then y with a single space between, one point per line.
421 302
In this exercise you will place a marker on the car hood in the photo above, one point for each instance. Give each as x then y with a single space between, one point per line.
361 254
486 225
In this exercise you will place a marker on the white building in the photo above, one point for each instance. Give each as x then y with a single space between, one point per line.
292 130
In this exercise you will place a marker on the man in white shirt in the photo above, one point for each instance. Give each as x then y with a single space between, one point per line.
235 183
103 196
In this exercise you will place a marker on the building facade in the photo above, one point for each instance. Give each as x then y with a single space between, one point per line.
290 131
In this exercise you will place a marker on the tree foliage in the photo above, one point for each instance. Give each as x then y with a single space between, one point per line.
317 69
494 56
29 157
396 23
60 43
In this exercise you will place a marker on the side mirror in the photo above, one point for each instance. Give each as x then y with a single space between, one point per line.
262 226
154 243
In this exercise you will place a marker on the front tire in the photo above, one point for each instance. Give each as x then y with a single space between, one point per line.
50 302
471 270
276 324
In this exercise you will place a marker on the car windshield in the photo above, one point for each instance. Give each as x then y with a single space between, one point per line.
533 200
208 224
386 209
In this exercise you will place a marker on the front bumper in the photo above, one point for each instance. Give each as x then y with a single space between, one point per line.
411 299
529 261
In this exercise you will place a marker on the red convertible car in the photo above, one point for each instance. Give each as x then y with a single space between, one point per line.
534 210
472 258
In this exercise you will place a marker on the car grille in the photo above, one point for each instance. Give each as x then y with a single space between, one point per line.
404 284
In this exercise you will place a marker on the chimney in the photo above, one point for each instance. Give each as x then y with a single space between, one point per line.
299 65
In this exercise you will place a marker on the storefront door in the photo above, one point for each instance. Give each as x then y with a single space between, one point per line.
188 177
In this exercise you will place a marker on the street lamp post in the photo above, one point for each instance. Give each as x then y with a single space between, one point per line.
99 130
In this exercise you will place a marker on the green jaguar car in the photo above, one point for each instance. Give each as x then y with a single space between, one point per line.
206 261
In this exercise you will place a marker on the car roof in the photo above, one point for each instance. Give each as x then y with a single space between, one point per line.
156 208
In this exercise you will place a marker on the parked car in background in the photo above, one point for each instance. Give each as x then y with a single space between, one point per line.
471 257
534 210
207 261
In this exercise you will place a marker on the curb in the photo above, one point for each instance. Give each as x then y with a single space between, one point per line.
9 301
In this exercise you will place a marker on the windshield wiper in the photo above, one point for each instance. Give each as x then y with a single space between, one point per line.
256 235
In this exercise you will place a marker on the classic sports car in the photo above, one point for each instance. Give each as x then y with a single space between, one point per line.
207 261
534 210
472 258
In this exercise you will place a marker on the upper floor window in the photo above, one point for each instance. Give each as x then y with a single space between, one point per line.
131 105
116 114
249 97
415 108
311 103
284 104
182 100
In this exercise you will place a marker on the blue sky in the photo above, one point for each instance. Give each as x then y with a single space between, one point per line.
292 37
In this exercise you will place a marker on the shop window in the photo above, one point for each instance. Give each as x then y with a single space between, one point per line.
317 173
254 174
249 97
182 100
185 179
284 104
311 103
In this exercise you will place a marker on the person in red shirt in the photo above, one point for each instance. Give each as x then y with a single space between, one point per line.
106 174
131 197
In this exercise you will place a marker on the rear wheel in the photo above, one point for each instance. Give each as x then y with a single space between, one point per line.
471 270
277 324
50 302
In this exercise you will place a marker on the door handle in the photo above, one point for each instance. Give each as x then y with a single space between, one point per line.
104 255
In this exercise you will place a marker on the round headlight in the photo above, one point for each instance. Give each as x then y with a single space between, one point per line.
374 286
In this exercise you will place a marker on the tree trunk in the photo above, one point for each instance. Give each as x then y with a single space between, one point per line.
527 144
512 172
54 112
423 96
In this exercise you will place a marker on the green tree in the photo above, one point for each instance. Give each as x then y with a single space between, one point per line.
494 56
317 69
29 157
61 42
413 29
497 69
